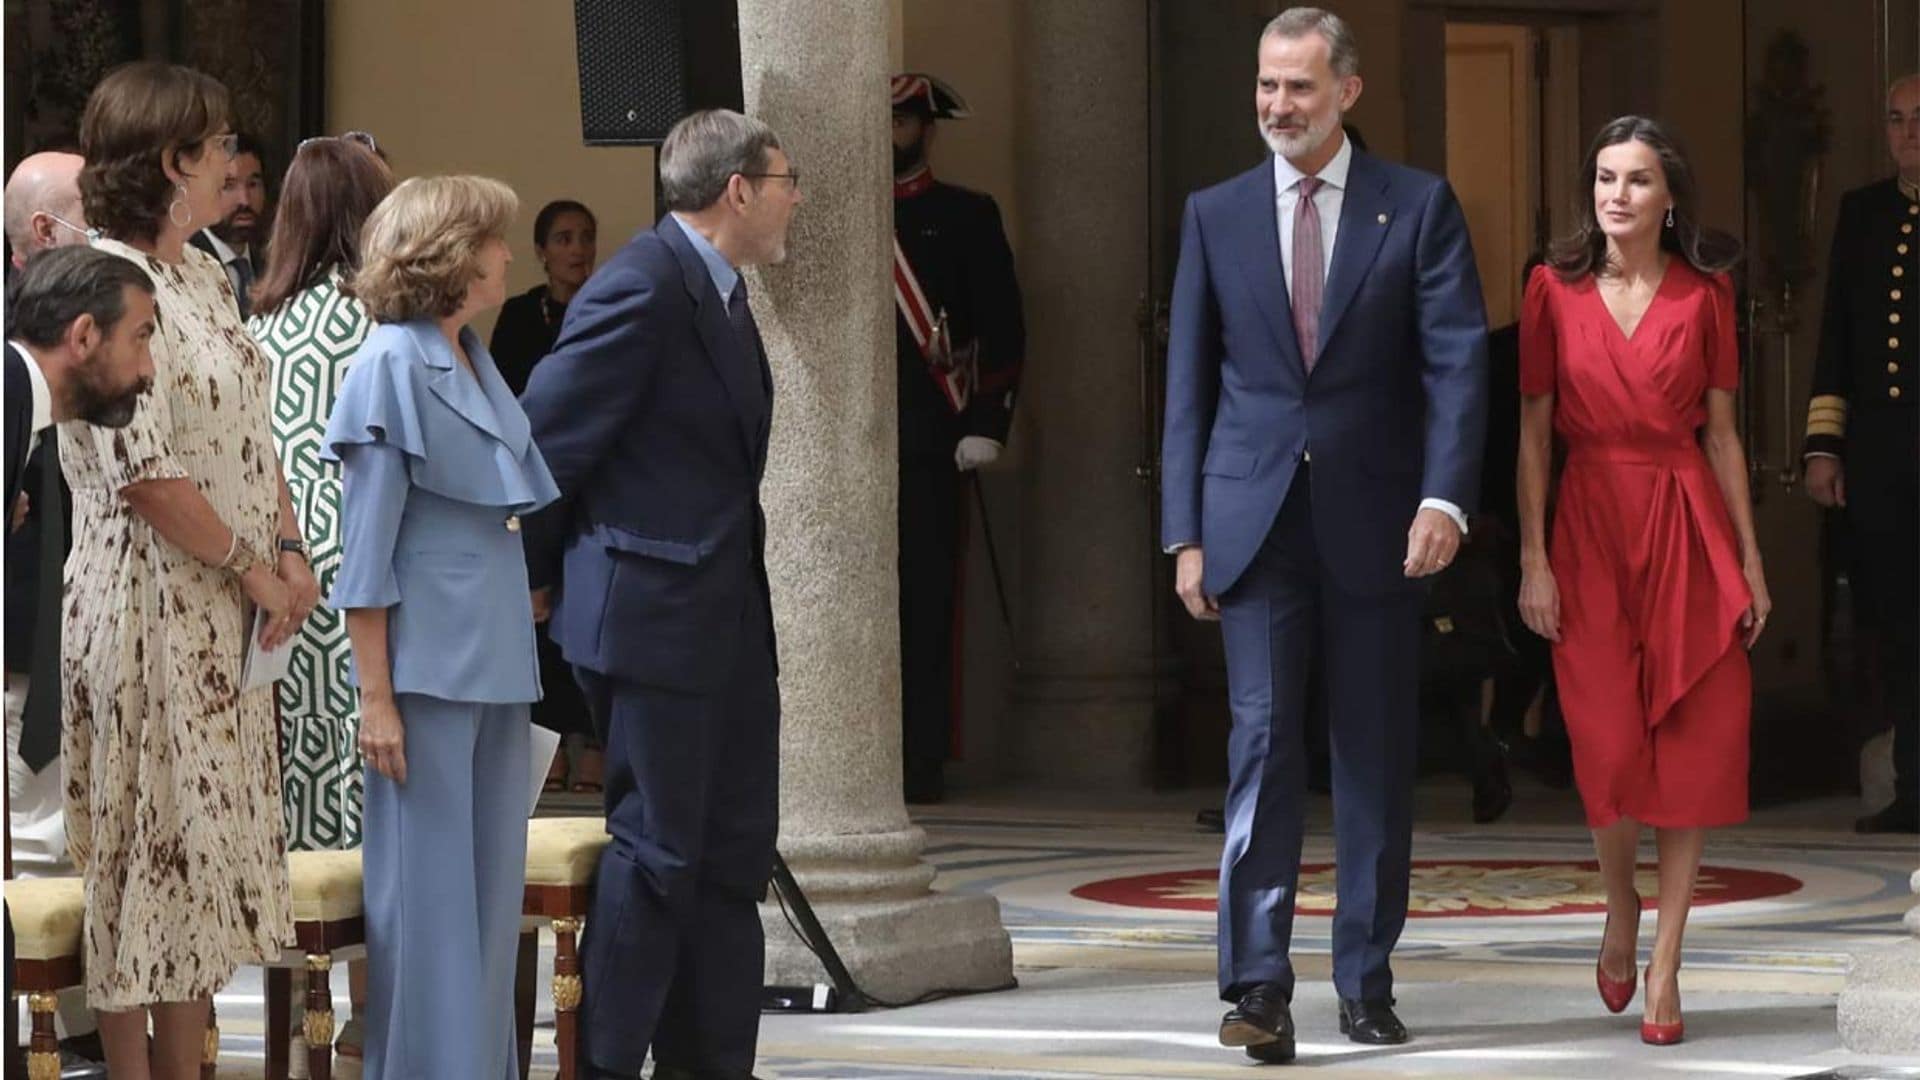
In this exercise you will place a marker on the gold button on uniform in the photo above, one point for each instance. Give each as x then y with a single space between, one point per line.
1893 391
1896 294
513 522
1893 369
1893 343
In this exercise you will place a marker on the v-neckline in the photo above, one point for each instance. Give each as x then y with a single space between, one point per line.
1659 287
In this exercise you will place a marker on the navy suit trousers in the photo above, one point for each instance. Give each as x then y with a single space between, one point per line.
1282 617
673 953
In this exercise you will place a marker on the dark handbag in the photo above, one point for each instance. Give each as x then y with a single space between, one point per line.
1464 628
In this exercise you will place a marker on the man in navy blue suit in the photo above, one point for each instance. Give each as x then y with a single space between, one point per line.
653 412
1326 407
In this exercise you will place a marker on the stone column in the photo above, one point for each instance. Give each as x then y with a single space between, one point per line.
817 73
1880 1007
1084 695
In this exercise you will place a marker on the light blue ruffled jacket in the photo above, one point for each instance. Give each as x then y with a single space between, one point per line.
437 466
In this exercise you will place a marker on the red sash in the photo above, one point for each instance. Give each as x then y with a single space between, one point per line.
952 371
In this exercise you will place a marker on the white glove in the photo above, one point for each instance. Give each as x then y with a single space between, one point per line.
975 451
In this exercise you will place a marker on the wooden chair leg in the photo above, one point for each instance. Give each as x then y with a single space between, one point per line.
566 994
279 1021
43 1043
319 1017
526 974
210 1049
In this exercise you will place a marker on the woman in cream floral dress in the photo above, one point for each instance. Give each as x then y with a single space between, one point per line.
173 780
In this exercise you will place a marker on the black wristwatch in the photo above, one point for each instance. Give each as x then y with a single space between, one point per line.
298 547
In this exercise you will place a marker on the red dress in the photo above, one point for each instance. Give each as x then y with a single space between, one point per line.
1653 680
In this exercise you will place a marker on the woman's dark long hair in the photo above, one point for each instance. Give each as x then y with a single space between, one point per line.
1706 249
331 187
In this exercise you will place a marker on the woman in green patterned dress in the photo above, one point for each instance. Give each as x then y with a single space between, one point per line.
309 329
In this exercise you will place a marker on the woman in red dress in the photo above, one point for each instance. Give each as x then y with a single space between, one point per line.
1652 590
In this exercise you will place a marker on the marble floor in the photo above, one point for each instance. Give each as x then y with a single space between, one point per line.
1110 910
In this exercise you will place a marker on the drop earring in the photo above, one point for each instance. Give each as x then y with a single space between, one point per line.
1669 217
179 202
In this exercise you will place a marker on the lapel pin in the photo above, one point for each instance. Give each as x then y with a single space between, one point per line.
1382 219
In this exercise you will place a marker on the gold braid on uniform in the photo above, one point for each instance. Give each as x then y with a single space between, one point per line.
1827 415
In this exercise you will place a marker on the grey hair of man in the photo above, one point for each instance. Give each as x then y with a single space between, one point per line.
1900 84
60 285
1343 49
705 150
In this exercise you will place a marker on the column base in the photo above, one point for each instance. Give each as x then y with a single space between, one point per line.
898 950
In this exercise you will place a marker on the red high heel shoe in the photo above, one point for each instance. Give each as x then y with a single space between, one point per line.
1660 1034
1616 994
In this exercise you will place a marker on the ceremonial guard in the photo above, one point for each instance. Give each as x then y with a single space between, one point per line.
1863 441
961 340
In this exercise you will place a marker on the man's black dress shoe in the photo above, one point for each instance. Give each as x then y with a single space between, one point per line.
1492 783
1371 1022
1261 1022
1898 818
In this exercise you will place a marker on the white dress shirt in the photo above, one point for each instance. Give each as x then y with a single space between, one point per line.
1328 201
42 396
229 256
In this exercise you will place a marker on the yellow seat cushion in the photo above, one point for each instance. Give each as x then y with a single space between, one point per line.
326 885
48 914
564 850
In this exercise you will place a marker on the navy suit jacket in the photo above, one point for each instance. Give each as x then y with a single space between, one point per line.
1394 411
653 415
19 425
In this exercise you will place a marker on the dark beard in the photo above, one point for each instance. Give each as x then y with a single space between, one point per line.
906 159
101 408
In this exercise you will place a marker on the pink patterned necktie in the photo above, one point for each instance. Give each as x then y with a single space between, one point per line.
1309 271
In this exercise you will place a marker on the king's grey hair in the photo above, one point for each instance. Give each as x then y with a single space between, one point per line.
1297 22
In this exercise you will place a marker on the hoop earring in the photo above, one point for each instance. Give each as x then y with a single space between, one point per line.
179 200
1669 217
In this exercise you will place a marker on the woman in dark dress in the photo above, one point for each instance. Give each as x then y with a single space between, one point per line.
564 237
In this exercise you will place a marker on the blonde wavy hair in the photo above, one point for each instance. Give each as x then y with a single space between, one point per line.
420 248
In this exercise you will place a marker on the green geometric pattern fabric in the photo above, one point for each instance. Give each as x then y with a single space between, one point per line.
311 341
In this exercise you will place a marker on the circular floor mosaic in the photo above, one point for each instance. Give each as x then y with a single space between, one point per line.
1453 888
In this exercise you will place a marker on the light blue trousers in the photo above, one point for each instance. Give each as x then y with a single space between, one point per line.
445 856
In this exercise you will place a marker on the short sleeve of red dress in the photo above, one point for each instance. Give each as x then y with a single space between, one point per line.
1539 342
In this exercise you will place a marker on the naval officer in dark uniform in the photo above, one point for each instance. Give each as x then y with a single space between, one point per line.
961 340
1863 439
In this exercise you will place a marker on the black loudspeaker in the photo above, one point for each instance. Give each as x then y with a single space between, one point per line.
644 64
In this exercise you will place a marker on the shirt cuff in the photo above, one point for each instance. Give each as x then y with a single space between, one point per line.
1819 453
1175 549
1448 509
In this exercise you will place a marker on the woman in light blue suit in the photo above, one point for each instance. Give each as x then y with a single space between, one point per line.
437 468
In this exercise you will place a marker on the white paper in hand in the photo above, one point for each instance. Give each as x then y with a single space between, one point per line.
263 667
546 742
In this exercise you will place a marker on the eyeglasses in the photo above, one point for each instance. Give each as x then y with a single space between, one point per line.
227 141
792 175
360 137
